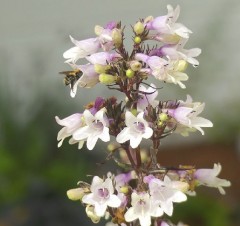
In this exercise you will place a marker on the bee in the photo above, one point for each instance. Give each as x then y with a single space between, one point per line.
71 77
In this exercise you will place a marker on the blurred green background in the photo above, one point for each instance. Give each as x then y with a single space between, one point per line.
35 174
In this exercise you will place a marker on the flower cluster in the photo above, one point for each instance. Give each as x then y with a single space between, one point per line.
145 191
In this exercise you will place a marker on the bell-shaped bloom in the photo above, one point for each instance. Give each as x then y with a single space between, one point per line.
101 196
96 128
143 208
147 97
208 177
70 124
103 58
137 129
167 30
186 114
82 49
166 192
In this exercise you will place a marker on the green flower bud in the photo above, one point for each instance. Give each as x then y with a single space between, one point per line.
130 73
117 37
138 28
135 65
137 40
75 194
163 117
99 68
107 79
134 111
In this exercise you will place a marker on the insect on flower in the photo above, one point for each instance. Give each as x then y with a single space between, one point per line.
71 77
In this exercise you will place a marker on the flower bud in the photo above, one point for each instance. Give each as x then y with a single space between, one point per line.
117 37
138 28
130 73
148 19
137 40
135 65
134 111
181 65
98 30
124 189
107 79
99 68
163 117
75 194
91 214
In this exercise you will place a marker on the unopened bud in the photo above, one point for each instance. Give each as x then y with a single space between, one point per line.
135 65
91 214
138 28
99 68
117 37
181 65
107 79
130 73
134 111
148 19
98 30
75 194
124 189
137 40
163 117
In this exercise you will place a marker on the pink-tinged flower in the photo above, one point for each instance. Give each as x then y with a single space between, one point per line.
168 31
103 58
70 124
105 35
147 96
82 49
96 128
164 193
177 52
186 114
208 177
101 196
143 208
164 70
137 129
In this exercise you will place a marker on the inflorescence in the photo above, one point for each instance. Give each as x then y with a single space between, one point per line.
144 192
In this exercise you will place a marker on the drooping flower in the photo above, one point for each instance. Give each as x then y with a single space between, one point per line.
96 128
208 177
147 96
137 128
70 124
101 196
82 49
166 192
143 208
187 115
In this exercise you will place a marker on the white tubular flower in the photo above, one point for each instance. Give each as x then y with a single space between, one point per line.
137 128
143 208
101 196
166 71
177 52
70 124
96 128
187 115
208 177
82 49
147 98
166 192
